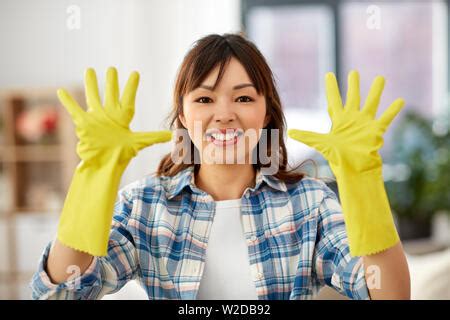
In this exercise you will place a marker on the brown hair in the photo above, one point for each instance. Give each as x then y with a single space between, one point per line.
204 56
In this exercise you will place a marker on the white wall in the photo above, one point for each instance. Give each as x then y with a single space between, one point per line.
38 49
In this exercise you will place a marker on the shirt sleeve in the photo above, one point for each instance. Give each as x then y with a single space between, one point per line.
332 263
104 275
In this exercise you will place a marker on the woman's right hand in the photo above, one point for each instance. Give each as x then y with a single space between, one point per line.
103 131
106 146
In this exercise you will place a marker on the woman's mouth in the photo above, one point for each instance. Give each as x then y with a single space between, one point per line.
220 139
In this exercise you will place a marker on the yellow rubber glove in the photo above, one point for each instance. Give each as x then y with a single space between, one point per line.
106 146
351 148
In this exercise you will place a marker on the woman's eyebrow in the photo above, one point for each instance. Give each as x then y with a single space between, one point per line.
236 87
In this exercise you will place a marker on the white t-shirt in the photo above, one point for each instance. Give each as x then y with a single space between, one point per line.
226 274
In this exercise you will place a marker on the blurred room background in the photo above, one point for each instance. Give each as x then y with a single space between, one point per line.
47 44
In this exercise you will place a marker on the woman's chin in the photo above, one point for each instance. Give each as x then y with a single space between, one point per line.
226 159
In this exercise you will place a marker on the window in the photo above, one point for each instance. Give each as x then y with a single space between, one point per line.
302 40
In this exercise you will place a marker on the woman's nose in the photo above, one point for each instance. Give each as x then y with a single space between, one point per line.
224 113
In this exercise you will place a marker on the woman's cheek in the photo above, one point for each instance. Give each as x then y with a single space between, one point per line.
255 119
196 130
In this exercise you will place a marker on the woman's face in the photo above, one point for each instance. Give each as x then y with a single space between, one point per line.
234 105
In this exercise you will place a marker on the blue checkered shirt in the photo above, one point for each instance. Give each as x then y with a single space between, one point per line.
295 235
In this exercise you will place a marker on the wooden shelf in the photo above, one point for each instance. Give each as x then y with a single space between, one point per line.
31 210
32 153
37 174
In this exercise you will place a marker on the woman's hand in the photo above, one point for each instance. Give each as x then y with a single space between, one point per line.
103 131
351 149
106 147
355 136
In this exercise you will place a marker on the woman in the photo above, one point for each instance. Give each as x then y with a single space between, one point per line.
276 234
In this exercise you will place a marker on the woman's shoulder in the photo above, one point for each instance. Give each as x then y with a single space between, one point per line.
147 186
312 189
155 186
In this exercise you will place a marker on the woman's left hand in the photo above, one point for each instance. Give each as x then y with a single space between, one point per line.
356 136
351 149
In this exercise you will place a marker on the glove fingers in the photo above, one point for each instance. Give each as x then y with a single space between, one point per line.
353 97
112 89
389 115
312 139
373 99
91 90
129 93
333 95
145 139
69 103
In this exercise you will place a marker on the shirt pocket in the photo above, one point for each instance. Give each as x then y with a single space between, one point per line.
290 248
282 236
290 235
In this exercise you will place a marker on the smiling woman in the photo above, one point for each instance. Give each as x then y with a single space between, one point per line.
211 230
224 84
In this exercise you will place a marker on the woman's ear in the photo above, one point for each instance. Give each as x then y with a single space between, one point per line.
182 120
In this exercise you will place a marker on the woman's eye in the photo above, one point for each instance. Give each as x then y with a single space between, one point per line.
240 99
203 100
245 99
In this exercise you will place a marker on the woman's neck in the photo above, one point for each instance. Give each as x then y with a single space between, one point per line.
225 182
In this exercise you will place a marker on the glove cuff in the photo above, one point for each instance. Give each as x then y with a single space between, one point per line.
367 213
85 221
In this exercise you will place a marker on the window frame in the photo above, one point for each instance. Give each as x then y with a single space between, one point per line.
334 5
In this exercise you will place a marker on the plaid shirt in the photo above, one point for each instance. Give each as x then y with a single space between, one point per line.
295 236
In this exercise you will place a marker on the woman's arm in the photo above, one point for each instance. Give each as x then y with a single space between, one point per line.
351 149
65 273
61 260
106 146
387 274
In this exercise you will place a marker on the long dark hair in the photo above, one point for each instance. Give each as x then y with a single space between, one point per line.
207 53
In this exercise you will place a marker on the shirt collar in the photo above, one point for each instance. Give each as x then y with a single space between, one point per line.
186 177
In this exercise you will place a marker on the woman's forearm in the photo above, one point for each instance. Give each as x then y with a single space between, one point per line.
64 262
387 274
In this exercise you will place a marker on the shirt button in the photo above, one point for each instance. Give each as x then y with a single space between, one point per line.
259 276
253 238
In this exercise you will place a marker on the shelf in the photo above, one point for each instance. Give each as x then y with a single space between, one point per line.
37 160
35 210
37 153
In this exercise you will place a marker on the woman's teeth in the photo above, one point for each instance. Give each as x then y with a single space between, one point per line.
224 137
